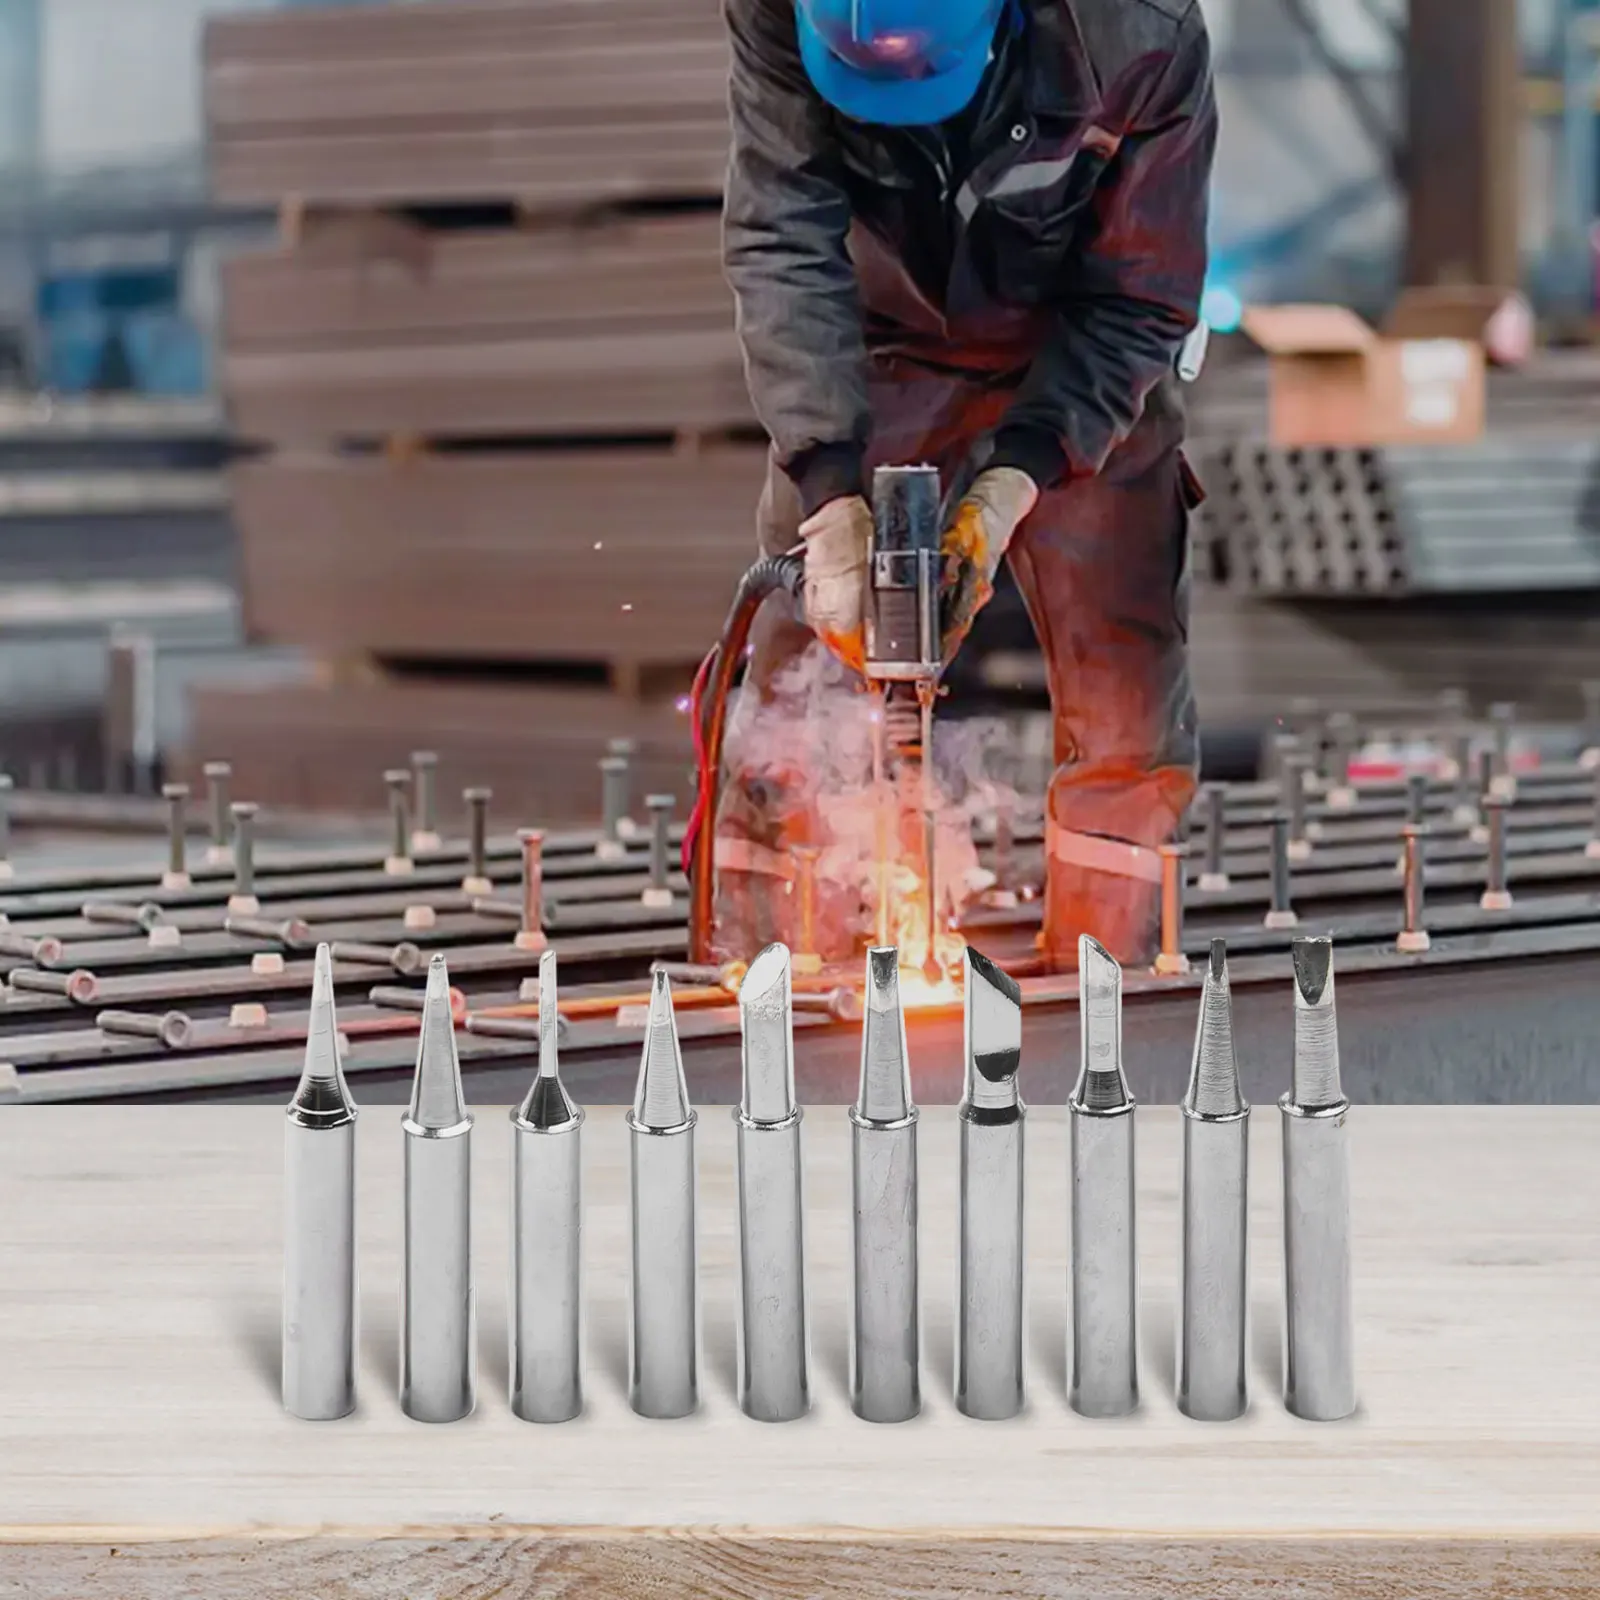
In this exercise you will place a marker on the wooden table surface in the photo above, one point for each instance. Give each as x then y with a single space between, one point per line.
143 1450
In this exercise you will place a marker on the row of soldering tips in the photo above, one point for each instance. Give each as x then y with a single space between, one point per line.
437 1366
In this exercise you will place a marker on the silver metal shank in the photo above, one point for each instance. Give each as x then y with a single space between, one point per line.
663 1366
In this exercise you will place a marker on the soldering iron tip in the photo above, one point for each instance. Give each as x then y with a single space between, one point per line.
661 1100
766 1022
1214 1074
436 1098
993 1025
322 1096
885 1093
547 1106
1316 1026
1101 1085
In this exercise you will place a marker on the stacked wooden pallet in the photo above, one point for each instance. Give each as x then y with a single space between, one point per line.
492 366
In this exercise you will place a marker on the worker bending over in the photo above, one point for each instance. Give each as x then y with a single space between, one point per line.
971 233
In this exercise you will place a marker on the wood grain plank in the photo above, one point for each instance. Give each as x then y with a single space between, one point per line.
138 1397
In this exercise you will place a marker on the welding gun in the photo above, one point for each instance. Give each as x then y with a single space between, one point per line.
903 663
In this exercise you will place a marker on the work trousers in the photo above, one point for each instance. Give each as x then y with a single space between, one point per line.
1102 566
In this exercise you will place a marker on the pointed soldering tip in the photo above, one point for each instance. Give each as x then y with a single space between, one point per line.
993 1026
1316 1026
1214 1074
885 1094
436 1098
1101 1085
766 1023
322 1097
661 1100
547 1105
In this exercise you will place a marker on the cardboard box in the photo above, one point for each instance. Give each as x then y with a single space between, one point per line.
1336 381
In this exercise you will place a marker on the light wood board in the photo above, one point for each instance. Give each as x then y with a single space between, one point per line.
139 1270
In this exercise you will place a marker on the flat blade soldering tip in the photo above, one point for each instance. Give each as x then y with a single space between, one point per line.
1214 1073
547 1105
1316 1026
322 1094
885 1092
436 1098
766 1018
661 1100
993 1028
1101 1085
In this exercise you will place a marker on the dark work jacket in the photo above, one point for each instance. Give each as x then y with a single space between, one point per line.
1050 243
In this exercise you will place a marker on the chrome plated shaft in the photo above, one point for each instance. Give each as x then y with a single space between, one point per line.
546 1329
319 1233
438 1344
989 1282
774 1363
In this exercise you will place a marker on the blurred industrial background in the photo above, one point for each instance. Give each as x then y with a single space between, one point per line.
368 385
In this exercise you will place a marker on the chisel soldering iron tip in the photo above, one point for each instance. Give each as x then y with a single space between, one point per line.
767 1025
885 1092
547 1105
1316 1026
1214 1074
661 1100
1101 1085
993 1034
436 1097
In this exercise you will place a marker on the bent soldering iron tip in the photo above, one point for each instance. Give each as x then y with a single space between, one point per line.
547 1105
1214 1073
437 1101
322 1096
1316 1026
766 1020
993 1028
885 1091
661 1100
1101 1085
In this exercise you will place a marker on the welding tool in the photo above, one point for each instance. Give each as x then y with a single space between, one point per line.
885 1336
547 1232
774 1363
902 667
438 1340
1213 1292
989 1286
1319 1366
1105 1358
319 1223
663 1329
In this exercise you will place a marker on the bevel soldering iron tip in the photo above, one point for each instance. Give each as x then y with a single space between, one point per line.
547 1105
1101 1085
661 1100
767 1027
885 1090
1214 1074
1316 1026
993 1026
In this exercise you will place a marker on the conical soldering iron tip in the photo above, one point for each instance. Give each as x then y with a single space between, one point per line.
661 1100
1101 1085
322 1097
1316 1026
885 1093
436 1098
1214 1074
766 1022
993 1027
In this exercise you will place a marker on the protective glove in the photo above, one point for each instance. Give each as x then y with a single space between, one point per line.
838 540
974 544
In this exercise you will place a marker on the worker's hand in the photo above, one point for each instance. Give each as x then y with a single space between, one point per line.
974 544
838 539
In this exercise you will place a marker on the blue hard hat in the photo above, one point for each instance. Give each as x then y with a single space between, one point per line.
906 63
